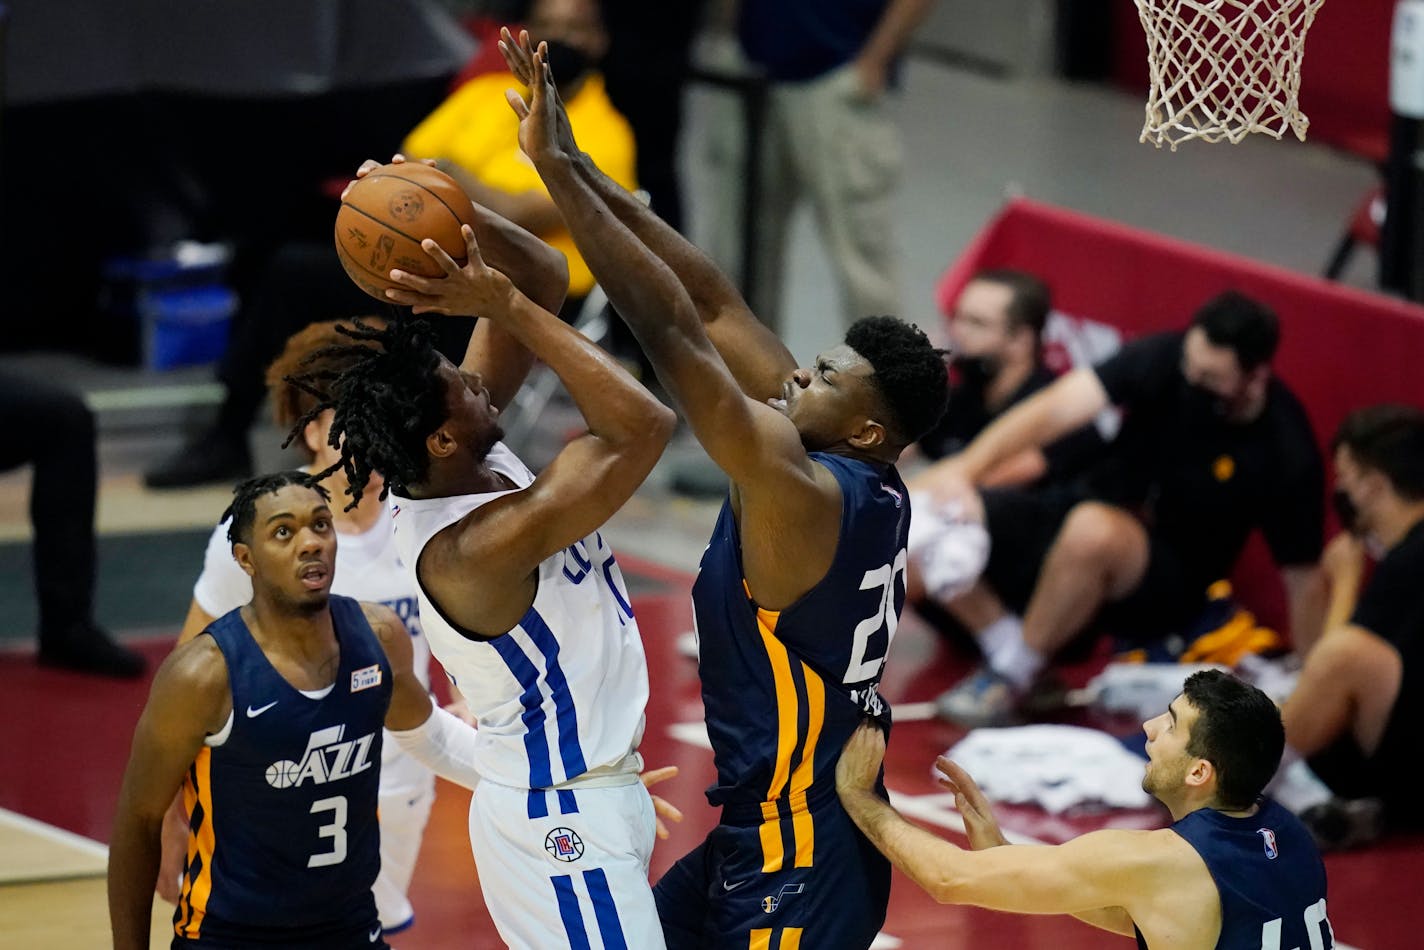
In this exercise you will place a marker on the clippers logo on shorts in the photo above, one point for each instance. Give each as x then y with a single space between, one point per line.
1268 841
366 678
769 904
564 844
327 759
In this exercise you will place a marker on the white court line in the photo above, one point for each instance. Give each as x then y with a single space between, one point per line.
25 823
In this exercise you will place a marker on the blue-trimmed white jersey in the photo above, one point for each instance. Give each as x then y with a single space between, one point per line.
563 692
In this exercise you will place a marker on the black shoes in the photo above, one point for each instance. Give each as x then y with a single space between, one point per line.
213 457
88 649
1343 823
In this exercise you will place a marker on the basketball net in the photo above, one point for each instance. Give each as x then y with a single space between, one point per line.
1222 69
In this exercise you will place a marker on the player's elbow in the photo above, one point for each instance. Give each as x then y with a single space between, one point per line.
946 887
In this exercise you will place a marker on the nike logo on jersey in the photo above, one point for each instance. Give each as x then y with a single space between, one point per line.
254 711
375 935
728 886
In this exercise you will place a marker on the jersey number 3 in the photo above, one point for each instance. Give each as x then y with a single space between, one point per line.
885 618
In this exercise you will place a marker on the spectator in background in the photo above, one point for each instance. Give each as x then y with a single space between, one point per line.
1213 446
473 137
1356 710
47 426
996 339
830 138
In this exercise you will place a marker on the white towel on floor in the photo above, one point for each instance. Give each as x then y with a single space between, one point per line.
1054 767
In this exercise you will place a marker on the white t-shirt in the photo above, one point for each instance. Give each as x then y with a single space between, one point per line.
367 568
561 694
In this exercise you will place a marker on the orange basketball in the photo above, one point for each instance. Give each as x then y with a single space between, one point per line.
386 215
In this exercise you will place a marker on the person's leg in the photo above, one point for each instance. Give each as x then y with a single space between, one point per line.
850 157
1348 687
49 427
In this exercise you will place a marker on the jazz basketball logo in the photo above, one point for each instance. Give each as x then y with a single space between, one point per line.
564 844
769 904
327 759
1268 841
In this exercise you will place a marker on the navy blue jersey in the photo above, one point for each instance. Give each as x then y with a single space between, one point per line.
283 842
1269 874
783 690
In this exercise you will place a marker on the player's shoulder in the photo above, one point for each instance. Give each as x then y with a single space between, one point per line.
385 622
194 669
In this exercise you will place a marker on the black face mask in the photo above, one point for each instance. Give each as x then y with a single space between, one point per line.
1201 406
976 371
567 63
1346 511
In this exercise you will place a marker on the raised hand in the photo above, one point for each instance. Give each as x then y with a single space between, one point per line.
979 822
544 129
664 810
476 289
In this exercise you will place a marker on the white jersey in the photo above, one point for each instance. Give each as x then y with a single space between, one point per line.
563 692
367 568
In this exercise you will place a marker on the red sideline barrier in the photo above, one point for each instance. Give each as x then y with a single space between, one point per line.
1341 348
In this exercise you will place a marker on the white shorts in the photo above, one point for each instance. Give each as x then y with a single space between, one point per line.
567 868
948 547
406 796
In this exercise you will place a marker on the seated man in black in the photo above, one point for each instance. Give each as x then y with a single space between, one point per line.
1212 447
1355 712
996 336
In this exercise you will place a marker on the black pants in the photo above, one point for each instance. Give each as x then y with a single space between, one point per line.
47 425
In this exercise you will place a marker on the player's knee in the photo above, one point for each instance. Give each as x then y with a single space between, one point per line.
1097 533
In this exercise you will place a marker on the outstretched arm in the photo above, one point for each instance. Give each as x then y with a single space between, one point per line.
482 569
756 357
189 699
750 441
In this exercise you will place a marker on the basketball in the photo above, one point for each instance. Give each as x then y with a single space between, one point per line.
384 217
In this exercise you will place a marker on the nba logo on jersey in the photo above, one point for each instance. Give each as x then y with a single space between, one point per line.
1268 841
564 844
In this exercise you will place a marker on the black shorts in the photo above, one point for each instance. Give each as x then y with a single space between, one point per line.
1022 528
718 897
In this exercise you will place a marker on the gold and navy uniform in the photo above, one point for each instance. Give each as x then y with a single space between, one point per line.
283 844
783 691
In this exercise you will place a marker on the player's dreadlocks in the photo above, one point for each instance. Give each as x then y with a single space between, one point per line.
243 510
387 399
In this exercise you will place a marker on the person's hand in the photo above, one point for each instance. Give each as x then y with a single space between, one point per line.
475 290
663 809
873 76
173 852
370 165
544 129
1344 559
859 764
948 487
979 822
461 711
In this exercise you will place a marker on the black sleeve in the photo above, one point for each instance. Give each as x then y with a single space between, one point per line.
1392 603
1141 368
1074 453
1293 520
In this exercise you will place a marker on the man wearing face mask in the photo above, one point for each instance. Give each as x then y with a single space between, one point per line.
996 341
473 136
1213 446
1355 711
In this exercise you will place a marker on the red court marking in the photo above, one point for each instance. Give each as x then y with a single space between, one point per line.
66 738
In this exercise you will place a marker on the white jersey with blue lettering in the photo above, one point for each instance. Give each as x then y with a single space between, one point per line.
562 693
561 829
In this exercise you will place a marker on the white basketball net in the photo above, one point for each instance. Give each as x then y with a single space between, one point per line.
1222 69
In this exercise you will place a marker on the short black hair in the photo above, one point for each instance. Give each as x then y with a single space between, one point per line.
911 374
1247 327
1388 438
243 510
387 398
1031 300
1239 731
